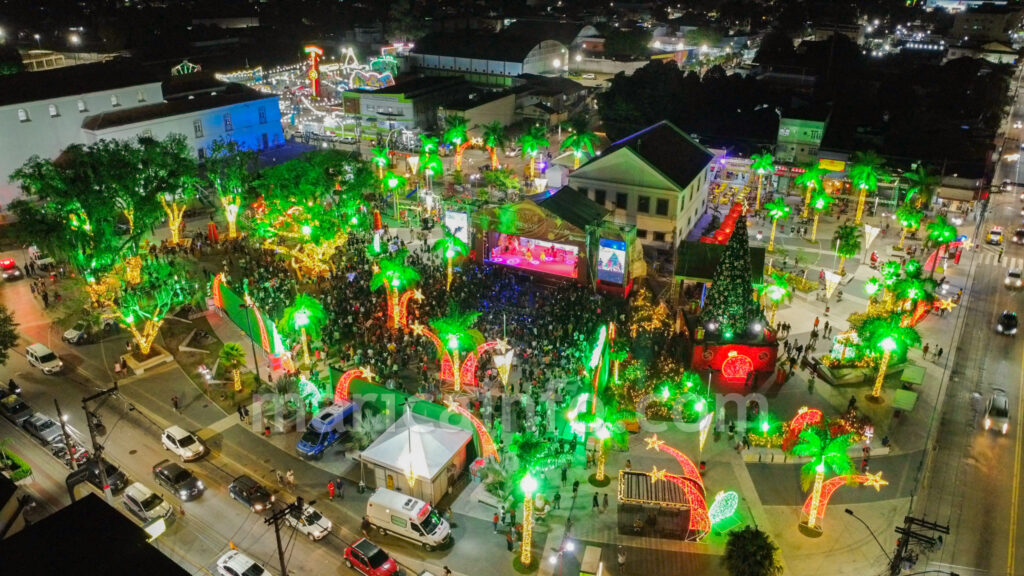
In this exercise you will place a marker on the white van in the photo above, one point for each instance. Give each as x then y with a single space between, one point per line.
396 513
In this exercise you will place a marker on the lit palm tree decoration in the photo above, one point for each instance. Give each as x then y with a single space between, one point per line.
826 455
778 210
451 335
909 218
763 164
847 242
872 287
865 174
812 181
940 234
398 280
580 142
531 142
777 291
394 184
891 337
432 166
232 357
923 185
820 203
304 318
450 247
457 135
381 159
494 138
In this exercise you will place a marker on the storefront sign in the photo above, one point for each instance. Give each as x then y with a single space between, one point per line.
831 165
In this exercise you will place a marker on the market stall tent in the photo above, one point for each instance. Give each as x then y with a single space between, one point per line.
418 456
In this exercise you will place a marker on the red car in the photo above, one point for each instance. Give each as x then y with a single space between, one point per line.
368 558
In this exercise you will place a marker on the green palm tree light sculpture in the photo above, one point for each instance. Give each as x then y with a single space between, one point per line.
305 316
580 143
778 210
909 218
532 141
891 337
812 181
457 135
826 455
394 183
763 165
777 291
232 357
381 159
450 247
398 280
494 138
820 203
923 185
847 242
864 175
940 234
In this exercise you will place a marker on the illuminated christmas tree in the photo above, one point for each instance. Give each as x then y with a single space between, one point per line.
731 311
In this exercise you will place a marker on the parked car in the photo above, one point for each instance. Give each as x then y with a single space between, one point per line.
43 358
309 522
10 269
40 259
997 411
15 409
397 513
368 558
77 334
178 479
328 428
66 453
234 563
116 479
1007 323
44 429
588 76
251 493
145 504
183 443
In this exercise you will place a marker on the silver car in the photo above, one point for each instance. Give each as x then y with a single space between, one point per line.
997 411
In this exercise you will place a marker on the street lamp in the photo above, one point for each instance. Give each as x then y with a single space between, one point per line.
38 42
75 41
872 532
579 58
557 64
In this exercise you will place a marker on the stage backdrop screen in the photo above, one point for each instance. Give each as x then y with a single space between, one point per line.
611 261
533 254
458 224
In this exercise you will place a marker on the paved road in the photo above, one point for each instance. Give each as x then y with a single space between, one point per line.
974 476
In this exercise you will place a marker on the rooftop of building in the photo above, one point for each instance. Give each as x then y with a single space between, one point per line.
668 150
572 206
511 44
546 85
89 535
231 94
419 86
71 81
477 98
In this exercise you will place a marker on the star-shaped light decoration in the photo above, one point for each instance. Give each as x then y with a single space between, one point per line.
502 344
875 481
946 304
653 442
417 295
657 474
417 329
368 374
451 404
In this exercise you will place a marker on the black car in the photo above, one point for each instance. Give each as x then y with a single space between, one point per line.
116 479
178 479
1007 323
251 493
1018 236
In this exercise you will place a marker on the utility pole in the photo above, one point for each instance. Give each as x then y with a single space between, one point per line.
67 437
275 520
908 535
97 448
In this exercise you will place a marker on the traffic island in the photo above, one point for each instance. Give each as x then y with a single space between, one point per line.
518 566
810 531
599 483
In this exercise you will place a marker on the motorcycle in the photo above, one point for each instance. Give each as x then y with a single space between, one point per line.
13 387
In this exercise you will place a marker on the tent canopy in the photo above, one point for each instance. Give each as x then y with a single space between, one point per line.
424 445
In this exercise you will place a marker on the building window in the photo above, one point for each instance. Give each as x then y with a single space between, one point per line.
23 115
228 126
661 208
641 233
140 95
643 204
147 133
659 236
54 112
197 126
600 196
81 106
621 200
263 115
201 153
114 101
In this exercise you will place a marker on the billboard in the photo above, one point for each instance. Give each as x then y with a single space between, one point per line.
611 261
458 224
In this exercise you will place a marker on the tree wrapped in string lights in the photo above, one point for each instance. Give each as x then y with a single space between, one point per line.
228 172
141 307
398 280
450 247
302 321
309 234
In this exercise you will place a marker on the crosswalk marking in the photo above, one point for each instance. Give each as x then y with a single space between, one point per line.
992 259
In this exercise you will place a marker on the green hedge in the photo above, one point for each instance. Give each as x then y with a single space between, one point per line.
23 471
